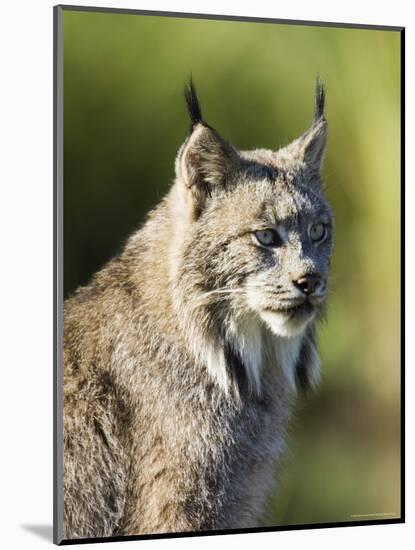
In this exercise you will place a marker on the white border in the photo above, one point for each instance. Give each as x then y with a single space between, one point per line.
26 267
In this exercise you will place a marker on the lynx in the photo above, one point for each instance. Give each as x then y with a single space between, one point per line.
184 355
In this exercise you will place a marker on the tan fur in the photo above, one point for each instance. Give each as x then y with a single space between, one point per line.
178 376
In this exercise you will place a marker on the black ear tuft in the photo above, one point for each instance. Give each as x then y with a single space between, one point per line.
192 103
319 101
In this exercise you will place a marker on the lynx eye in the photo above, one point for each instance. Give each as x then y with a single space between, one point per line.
317 232
268 237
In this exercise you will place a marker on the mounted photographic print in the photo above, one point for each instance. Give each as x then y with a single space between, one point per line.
228 275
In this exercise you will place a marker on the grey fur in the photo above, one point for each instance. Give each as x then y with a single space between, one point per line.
182 356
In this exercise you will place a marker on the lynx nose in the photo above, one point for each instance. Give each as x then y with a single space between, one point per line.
308 283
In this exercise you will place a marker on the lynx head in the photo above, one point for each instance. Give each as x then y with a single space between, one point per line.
254 241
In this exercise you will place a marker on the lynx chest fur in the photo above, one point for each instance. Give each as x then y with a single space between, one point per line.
184 353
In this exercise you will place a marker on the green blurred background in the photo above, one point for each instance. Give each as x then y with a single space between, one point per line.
124 120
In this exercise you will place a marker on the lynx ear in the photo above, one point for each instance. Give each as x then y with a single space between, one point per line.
205 161
312 144
309 149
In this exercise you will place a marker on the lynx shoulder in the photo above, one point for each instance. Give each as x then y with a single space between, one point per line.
183 355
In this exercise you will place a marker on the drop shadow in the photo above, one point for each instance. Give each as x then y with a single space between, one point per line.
45 532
